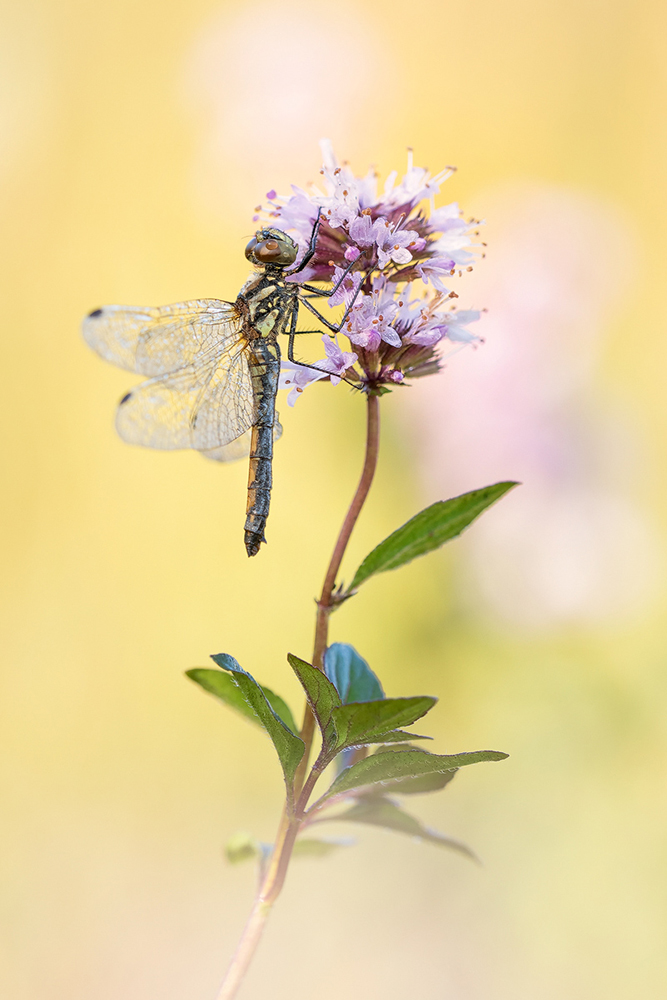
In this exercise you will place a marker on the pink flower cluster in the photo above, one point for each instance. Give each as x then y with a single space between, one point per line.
405 258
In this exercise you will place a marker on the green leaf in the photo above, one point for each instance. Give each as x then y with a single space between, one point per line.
350 674
226 689
428 530
415 786
289 747
387 767
380 811
321 694
311 847
360 723
281 708
423 784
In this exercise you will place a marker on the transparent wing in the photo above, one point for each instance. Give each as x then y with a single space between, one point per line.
162 340
205 405
240 448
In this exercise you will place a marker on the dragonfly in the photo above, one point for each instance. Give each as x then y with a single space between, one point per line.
214 365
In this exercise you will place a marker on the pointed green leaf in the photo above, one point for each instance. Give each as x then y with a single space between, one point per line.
289 747
358 723
387 767
350 674
321 694
380 811
311 847
428 530
224 687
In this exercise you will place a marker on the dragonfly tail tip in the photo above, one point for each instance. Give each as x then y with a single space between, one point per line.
253 542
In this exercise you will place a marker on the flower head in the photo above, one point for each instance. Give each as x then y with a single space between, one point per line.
404 254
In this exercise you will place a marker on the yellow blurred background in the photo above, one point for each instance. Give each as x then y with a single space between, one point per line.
136 138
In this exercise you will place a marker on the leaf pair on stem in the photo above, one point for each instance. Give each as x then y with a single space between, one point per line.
343 725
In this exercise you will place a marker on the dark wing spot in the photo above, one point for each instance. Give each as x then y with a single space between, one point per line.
94 314
125 398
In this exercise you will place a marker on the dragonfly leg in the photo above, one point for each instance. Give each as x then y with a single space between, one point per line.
334 327
310 252
323 319
293 332
327 292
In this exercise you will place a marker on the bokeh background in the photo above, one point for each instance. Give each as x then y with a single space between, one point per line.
135 139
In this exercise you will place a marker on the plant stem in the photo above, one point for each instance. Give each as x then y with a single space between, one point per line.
271 885
290 824
325 604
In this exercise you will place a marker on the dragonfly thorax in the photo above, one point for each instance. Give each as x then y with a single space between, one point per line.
271 247
267 301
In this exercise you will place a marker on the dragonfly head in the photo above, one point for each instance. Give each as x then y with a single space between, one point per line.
271 246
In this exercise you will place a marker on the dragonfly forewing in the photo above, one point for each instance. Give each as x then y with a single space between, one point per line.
158 341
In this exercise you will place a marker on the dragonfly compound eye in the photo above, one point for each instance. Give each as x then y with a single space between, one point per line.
272 251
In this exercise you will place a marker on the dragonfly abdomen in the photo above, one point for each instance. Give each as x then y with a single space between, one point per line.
264 371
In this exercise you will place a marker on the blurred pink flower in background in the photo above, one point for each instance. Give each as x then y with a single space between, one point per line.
571 544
